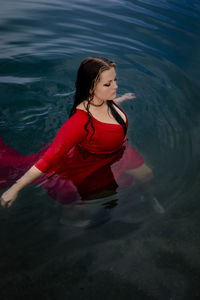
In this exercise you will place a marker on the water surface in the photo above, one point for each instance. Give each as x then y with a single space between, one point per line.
121 249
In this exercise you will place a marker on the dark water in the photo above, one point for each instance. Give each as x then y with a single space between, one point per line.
122 249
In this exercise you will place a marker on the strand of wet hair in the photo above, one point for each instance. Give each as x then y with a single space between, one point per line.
116 115
90 121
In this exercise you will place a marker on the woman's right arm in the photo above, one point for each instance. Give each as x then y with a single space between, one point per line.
71 133
11 194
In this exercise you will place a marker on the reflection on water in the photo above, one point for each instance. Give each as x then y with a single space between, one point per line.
116 247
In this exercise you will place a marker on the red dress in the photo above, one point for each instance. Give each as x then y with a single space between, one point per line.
77 165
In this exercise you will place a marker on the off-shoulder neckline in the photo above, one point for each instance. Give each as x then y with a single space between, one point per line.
101 121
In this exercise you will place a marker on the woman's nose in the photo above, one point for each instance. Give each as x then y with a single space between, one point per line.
115 85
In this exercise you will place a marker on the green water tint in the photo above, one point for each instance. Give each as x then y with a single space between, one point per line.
116 247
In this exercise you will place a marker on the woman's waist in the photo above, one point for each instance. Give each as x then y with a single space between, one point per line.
99 152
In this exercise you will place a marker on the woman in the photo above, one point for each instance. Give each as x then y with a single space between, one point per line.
90 152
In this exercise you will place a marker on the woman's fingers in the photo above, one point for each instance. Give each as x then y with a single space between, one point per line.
3 202
130 95
7 199
126 96
9 203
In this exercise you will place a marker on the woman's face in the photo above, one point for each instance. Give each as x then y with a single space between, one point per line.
106 87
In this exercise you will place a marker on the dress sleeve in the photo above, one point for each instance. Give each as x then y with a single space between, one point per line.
71 133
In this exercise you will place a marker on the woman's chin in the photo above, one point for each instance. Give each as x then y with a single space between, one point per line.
112 97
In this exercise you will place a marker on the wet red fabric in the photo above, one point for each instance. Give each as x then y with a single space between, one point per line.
76 165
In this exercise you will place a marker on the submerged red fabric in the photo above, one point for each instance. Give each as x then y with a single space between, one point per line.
76 165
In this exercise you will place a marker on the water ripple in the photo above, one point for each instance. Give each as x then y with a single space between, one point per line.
155 45
17 80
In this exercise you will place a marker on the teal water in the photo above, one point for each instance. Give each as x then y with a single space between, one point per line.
122 248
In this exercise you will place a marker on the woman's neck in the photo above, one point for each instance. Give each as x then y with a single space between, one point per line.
96 101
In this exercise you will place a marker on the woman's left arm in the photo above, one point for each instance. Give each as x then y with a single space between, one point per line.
126 96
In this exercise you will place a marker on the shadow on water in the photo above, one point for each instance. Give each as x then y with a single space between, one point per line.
117 247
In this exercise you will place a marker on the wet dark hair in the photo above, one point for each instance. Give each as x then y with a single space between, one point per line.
88 76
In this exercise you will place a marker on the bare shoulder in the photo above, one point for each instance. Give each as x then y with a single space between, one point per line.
82 106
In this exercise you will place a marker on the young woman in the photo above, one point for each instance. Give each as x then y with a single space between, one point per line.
90 153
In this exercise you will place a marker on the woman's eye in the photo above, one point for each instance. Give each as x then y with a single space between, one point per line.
108 84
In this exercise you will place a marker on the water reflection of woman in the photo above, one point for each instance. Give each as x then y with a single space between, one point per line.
90 153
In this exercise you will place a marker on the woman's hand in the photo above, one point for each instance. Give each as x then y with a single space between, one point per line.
127 96
8 197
